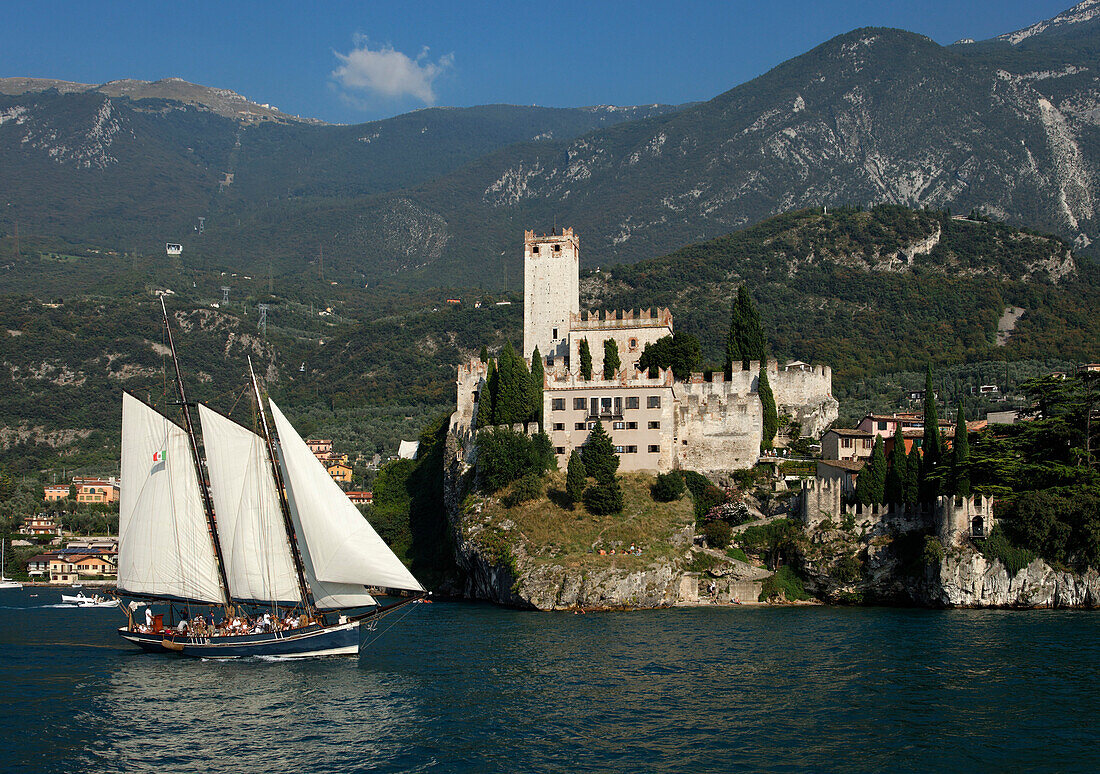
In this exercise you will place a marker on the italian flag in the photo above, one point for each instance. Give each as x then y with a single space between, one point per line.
159 456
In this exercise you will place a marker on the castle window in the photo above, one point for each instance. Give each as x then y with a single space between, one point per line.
653 425
559 425
591 425
619 449
630 449
619 426
653 401
578 404
559 450
633 345
557 404
535 250
631 425
557 248
655 448
632 402
579 426
555 334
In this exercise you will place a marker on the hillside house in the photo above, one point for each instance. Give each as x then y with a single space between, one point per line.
847 444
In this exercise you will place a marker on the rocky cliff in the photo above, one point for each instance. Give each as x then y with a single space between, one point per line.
968 579
505 558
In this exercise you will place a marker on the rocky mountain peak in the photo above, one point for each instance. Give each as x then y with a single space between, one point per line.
1085 11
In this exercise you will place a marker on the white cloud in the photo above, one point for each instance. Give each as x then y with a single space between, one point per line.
386 72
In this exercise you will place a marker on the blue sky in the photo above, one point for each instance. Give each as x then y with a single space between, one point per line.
357 61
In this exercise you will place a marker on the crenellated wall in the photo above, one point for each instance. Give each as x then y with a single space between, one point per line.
630 333
718 425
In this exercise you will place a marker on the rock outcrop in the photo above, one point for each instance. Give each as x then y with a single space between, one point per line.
968 579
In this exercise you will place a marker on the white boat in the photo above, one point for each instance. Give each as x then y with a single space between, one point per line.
80 600
273 540
5 582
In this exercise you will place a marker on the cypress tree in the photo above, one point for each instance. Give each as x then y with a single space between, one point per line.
771 414
877 483
913 477
484 356
586 361
511 403
538 376
899 469
611 361
575 478
961 456
745 340
930 446
486 414
600 460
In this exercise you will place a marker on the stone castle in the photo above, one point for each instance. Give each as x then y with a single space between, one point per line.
708 423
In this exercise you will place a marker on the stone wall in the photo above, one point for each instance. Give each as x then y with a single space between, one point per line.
630 333
718 426
551 291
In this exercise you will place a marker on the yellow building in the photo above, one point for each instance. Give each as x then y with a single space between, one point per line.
96 491
55 492
340 472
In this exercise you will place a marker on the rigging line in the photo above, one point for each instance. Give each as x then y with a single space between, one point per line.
404 615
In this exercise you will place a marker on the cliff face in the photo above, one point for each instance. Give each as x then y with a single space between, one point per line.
968 579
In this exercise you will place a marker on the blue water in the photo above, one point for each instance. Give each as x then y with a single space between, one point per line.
471 688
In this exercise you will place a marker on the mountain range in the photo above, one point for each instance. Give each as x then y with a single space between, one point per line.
1009 127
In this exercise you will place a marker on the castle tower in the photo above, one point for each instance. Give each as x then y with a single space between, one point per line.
551 291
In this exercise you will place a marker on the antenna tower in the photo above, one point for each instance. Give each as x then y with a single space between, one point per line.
225 294
263 319
202 225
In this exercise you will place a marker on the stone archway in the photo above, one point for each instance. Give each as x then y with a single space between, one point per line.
977 527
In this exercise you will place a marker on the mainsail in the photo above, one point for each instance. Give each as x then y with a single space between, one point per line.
342 552
165 547
250 524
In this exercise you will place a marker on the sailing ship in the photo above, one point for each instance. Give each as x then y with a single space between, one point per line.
272 540
6 582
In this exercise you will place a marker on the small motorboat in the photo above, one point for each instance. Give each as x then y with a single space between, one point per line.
80 600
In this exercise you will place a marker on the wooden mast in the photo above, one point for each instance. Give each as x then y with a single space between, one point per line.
208 505
280 487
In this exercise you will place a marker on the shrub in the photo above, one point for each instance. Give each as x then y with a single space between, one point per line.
504 455
847 569
933 550
738 554
527 488
604 498
718 534
705 494
784 584
997 547
669 487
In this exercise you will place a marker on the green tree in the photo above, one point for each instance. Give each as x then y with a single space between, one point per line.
605 498
7 483
600 459
611 361
484 356
931 450
767 402
898 469
486 413
575 478
670 486
913 477
680 352
586 361
875 472
512 402
745 340
538 376
960 457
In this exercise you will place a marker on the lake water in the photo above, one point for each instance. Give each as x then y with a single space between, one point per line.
462 687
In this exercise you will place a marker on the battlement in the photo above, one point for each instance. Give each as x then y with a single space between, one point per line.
568 380
566 235
623 318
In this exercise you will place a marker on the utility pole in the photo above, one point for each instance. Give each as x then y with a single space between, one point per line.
225 294
263 319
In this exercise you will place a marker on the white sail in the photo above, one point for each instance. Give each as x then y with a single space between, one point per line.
165 547
344 552
251 531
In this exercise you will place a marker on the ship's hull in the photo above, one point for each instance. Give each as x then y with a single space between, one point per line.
311 641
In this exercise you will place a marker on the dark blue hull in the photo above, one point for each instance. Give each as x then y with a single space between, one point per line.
339 640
